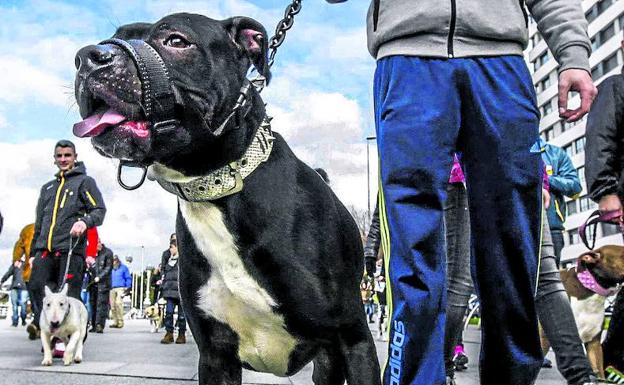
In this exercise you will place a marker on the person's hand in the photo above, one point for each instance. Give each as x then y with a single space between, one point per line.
78 229
546 198
610 203
96 279
90 261
575 80
159 282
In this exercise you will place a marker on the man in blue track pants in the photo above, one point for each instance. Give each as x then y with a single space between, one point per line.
451 76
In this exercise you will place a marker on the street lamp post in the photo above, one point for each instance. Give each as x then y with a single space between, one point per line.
142 281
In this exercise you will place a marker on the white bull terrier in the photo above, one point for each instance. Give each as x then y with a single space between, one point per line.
65 318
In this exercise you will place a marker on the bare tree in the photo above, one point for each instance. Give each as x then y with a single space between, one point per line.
361 220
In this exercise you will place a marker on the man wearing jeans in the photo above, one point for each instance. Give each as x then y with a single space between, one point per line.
121 282
451 76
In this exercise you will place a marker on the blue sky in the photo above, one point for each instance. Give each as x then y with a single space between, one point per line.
320 98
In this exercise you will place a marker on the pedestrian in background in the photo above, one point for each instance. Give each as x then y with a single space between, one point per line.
19 293
21 251
99 293
121 283
171 293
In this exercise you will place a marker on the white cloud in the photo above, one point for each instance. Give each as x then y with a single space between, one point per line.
23 82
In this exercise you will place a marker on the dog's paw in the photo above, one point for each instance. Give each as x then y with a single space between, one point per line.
78 359
67 359
47 361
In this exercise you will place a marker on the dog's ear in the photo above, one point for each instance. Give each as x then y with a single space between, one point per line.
64 289
590 257
47 291
251 37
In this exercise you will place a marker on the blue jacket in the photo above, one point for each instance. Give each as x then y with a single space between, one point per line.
121 277
563 180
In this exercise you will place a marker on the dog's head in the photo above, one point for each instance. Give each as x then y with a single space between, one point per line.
605 267
207 62
55 307
151 311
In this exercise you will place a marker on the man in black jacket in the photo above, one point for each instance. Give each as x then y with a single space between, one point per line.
100 287
67 206
604 166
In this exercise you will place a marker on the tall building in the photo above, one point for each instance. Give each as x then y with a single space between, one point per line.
606 22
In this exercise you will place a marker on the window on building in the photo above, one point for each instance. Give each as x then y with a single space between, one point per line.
573 237
596 72
584 203
544 84
610 63
548 134
541 60
606 33
581 174
579 145
571 207
610 229
603 5
568 150
621 21
546 108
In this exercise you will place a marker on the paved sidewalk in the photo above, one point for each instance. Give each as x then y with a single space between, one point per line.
134 356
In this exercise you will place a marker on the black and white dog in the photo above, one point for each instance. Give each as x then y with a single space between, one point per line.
270 260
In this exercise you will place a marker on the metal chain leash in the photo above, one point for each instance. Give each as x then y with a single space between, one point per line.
283 26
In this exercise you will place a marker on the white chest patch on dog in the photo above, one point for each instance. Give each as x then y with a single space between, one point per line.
233 297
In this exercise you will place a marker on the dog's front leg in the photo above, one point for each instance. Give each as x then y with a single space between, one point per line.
46 341
70 349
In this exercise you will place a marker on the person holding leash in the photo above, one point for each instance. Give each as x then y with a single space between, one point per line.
604 170
452 76
67 206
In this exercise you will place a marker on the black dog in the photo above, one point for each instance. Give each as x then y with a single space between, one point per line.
269 274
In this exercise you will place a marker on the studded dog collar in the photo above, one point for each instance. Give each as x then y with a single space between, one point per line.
228 179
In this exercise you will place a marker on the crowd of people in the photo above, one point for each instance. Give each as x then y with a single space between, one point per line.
63 247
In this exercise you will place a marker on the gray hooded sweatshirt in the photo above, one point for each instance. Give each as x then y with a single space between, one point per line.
469 28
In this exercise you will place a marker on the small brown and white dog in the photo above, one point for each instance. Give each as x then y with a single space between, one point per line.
155 314
65 318
598 275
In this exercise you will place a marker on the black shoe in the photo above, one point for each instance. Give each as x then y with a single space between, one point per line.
92 330
33 331
547 363
23 322
99 329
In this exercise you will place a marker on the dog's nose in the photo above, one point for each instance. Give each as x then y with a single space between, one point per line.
94 56
55 325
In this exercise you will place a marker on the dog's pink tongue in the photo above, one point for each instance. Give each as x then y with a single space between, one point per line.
94 125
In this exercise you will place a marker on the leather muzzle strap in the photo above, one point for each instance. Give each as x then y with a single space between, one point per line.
158 97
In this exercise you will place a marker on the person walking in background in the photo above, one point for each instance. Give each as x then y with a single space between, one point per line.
21 251
155 283
19 293
68 205
99 292
604 170
171 294
563 180
121 283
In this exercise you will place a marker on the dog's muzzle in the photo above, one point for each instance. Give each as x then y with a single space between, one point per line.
157 93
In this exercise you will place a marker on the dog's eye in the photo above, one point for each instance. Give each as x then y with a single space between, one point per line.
177 41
